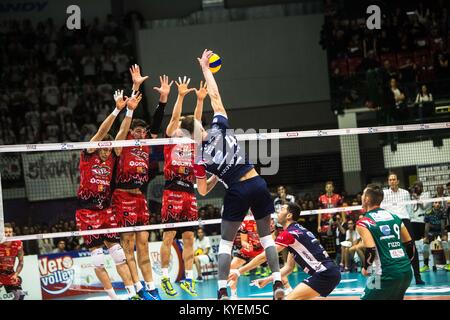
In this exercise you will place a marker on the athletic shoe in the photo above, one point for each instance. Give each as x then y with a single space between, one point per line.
295 269
424 268
266 272
222 294
154 294
144 295
199 279
246 273
447 267
135 297
189 287
420 282
258 271
166 285
278 290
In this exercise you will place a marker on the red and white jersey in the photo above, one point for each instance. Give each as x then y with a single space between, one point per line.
8 254
326 202
179 167
96 176
248 227
133 167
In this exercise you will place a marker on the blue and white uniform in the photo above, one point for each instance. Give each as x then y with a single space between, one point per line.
311 256
223 156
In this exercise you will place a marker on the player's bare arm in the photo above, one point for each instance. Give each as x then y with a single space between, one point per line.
132 104
213 89
369 243
407 242
204 186
183 90
137 78
19 268
201 93
106 125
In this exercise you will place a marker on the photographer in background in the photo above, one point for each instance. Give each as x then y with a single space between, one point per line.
338 228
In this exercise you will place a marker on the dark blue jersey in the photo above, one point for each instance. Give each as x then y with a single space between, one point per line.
221 153
306 249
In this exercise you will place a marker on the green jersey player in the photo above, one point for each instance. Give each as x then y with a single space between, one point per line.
388 249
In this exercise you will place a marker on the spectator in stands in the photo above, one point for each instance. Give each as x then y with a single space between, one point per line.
424 103
60 247
202 247
282 198
326 201
400 111
339 228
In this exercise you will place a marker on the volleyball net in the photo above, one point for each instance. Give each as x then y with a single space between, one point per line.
39 182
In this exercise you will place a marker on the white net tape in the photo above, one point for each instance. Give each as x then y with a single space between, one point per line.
240 137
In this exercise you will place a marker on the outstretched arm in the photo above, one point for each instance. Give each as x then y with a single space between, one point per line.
132 104
176 113
201 95
163 91
108 122
213 89
136 77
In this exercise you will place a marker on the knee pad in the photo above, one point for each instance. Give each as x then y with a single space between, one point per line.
225 247
444 245
426 247
98 258
267 242
117 254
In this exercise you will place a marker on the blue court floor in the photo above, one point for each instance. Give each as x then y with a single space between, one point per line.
351 287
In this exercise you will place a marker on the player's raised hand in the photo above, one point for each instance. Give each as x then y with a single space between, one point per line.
120 100
133 102
204 60
164 88
136 75
202 92
182 85
364 272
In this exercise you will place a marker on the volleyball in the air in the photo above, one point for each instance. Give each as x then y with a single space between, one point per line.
215 63
198 252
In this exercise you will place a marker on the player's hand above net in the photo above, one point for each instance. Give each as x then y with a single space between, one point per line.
120 100
202 92
182 85
204 60
164 88
133 102
136 76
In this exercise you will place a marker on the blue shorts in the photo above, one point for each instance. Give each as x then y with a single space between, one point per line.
324 282
248 194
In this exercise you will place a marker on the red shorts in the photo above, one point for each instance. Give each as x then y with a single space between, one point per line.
178 206
6 279
130 209
94 220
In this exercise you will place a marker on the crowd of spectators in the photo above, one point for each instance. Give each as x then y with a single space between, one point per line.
408 52
56 84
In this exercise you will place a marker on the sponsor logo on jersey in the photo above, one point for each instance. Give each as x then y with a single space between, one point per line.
397 253
139 154
382 216
385 229
57 274
102 171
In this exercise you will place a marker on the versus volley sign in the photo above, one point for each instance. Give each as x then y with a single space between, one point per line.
51 175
